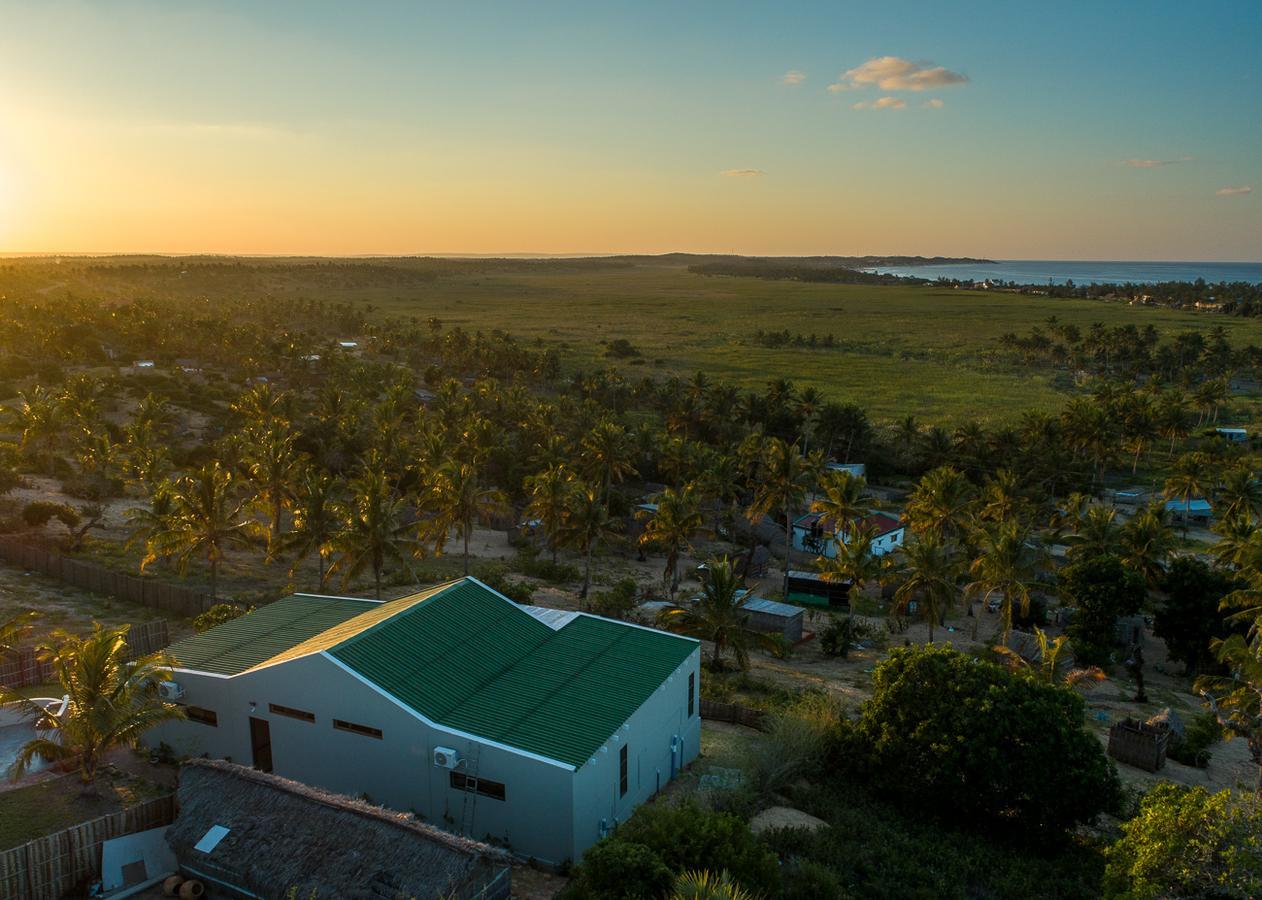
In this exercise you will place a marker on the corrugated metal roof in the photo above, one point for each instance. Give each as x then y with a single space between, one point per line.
553 618
258 636
474 661
763 605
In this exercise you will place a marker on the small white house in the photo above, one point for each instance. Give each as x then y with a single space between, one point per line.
1233 435
814 533
530 729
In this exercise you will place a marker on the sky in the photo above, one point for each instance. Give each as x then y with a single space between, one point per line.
1064 130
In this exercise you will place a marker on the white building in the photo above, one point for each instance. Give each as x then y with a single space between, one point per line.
1233 435
535 729
814 533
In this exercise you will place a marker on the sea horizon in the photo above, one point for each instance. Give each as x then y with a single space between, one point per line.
1060 271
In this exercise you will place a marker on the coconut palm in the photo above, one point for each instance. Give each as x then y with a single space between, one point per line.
1097 534
1239 543
929 569
457 500
1004 566
608 452
586 521
317 519
373 531
112 702
1190 478
1172 417
206 519
855 561
786 477
706 885
1240 495
1147 543
1052 665
1002 498
718 616
37 416
671 527
941 504
844 499
15 628
549 493
1236 700
270 463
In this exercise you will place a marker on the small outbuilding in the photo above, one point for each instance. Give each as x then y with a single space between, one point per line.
1233 435
245 833
775 618
1194 509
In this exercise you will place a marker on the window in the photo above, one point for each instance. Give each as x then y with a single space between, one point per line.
462 782
365 730
294 713
205 716
692 692
622 771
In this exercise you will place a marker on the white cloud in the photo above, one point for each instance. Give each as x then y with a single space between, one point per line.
883 103
742 173
793 77
1234 191
1154 163
892 73
935 103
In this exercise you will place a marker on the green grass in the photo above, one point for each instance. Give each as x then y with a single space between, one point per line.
51 806
924 351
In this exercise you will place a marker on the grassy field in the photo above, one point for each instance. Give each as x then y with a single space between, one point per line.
47 807
923 351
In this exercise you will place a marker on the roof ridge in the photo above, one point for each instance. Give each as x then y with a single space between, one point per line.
416 598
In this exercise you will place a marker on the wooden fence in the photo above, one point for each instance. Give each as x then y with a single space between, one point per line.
62 864
181 601
22 667
734 713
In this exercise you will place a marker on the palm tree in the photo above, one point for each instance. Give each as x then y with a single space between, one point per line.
855 562
786 477
1002 498
112 701
1240 495
457 502
707 885
607 451
929 568
550 501
317 519
271 464
718 616
1240 542
1172 417
1190 478
586 522
1003 566
671 527
206 519
373 532
1147 543
1097 534
1049 667
844 499
38 418
15 628
1236 700
940 504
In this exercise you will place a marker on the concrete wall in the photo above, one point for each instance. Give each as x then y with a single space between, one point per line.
396 771
648 736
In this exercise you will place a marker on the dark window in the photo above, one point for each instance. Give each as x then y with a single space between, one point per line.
692 692
365 730
462 782
291 712
205 716
622 771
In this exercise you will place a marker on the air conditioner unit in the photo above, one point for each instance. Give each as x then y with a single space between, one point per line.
170 690
446 758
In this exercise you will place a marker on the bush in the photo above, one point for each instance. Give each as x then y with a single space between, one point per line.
843 634
517 591
616 603
621 348
39 513
1203 732
1187 842
949 733
218 614
681 838
530 563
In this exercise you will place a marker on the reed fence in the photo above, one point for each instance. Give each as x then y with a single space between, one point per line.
734 713
22 666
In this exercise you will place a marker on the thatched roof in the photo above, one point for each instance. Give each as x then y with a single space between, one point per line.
282 834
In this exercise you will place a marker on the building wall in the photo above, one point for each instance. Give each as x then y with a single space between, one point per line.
828 545
648 737
396 770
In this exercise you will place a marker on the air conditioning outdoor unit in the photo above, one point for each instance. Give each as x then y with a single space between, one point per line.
446 758
170 690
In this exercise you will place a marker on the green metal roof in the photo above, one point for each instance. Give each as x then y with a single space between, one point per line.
256 637
466 658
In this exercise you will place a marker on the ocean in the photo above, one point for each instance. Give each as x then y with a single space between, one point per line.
1041 271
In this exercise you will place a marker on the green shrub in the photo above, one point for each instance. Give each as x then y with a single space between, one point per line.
39 513
951 734
1187 842
617 602
530 563
517 591
842 634
1202 733
218 614
622 869
1100 589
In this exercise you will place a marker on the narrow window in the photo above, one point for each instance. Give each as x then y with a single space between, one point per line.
365 730
481 786
692 690
291 712
205 716
622 771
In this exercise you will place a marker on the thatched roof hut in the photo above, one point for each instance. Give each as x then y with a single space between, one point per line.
283 835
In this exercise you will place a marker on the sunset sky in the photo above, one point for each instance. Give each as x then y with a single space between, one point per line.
1009 130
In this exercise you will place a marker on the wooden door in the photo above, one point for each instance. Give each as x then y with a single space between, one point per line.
261 744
